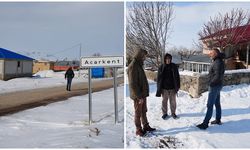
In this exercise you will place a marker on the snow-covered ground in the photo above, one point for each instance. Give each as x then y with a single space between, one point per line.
42 79
233 133
65 124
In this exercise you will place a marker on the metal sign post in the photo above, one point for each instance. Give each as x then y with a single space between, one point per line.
115 95
108 61
90 96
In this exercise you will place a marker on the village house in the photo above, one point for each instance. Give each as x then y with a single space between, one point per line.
40 65
14 65
64 65
237 52
197 63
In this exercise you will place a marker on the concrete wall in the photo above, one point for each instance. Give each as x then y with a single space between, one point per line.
196 83
27 67
10 67
1 69
40 66
11 70
1 66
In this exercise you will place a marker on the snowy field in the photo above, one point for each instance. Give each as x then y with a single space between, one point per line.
233 133
43 79
65 124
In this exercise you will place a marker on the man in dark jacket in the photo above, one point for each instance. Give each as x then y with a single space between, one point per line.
139 91
168 84
216 75
69 75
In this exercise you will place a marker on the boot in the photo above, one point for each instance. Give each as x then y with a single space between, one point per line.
165 116
175 116
148 128
140 132
216 122
202 126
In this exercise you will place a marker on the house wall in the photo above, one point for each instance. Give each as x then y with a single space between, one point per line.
1 69
1 66
27 67
11 69
39 66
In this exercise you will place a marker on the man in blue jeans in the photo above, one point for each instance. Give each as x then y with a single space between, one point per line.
216 75
69 75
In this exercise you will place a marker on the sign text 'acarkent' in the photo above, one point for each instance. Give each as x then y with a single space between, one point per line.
108 61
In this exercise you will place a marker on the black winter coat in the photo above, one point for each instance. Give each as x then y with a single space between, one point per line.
216 71
160 74
69 73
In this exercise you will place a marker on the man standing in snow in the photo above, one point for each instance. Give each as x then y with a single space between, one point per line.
216 75
139 91
168 84
69 75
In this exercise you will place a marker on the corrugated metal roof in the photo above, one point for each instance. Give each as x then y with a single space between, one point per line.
200 58
239 34
197 58
7 54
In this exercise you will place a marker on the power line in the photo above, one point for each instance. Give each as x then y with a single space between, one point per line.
66 49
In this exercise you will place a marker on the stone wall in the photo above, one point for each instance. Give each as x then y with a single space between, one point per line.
195 83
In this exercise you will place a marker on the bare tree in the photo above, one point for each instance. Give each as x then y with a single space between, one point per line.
148 26
184 52
198 46
225 30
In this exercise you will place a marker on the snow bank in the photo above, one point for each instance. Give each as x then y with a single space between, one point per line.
41 79
49 74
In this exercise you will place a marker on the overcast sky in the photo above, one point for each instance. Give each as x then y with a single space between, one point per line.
51 27
190 17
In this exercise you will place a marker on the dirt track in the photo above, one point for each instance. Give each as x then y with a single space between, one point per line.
17 101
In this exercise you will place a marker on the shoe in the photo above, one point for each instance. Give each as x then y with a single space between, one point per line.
175 116
140 132
202 126
164 117
148 128
216 122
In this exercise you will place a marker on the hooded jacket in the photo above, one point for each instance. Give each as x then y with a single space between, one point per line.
69 73
176 78
138 83
216 71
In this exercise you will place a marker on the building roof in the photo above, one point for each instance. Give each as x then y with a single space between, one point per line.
196 58
241 34
7 54
199 58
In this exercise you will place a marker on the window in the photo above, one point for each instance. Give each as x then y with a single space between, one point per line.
18 64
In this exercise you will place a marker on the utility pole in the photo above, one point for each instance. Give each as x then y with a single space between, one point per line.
79 74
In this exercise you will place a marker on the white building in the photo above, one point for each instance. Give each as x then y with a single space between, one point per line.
13 65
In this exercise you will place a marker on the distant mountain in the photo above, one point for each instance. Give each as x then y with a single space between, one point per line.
39 55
